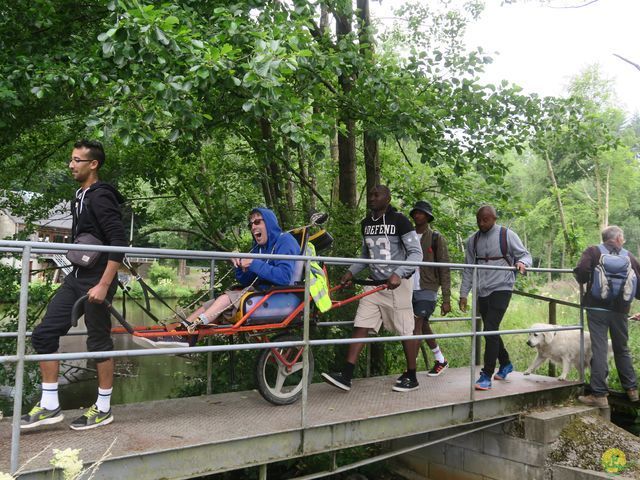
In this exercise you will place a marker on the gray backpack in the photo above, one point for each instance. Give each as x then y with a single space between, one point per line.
613 278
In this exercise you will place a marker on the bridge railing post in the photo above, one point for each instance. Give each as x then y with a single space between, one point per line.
305 339
19 381
475 347
552 321
212 281
581 293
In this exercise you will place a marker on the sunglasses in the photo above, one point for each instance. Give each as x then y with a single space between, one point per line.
256 222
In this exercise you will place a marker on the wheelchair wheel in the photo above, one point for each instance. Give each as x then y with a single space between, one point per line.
279 372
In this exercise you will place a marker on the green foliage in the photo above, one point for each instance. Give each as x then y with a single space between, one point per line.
159 273
227 105
39 295
9 283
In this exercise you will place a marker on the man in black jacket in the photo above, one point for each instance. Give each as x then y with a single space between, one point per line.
96 211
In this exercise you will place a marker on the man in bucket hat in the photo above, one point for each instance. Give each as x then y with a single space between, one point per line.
428 280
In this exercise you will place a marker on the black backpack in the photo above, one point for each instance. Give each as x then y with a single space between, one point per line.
504 248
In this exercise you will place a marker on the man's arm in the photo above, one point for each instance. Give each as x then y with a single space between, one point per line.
364 255
519 253
413 248
465 285
98 293
636 268
444 273
586 264
277 272
106 211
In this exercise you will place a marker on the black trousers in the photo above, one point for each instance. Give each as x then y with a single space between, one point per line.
57 320
492 309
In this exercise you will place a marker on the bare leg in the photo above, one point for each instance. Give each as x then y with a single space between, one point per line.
220 304
410 352
195 314
356 348
49 370
417 331
426 329
105 373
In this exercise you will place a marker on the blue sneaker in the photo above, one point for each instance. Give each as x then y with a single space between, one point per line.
484 382
503 371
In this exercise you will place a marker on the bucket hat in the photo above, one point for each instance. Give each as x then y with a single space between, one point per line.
424 207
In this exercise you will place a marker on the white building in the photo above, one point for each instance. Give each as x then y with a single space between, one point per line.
55 228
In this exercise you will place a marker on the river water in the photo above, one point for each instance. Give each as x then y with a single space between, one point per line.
137 379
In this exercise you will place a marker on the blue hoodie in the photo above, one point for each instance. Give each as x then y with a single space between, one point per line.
271 272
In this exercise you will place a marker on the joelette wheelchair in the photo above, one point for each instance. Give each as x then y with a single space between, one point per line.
273 315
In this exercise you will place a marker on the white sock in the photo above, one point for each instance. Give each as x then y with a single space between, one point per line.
438 354
49 399
104 399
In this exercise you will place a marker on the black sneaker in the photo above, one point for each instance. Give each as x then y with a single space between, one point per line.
38 416
406 385
438 368
337 379
172 341
401 378
92 418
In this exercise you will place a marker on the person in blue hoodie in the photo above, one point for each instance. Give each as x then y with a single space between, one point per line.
252 273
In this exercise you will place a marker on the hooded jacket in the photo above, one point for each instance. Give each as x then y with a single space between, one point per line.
389 237
97 211
271 272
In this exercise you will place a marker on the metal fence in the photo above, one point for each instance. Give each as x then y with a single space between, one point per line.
27 249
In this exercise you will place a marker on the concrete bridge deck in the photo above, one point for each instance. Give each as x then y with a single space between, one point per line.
183 438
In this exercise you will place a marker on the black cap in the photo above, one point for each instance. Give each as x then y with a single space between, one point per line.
424 207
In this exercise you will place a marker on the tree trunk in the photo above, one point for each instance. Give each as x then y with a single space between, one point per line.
324 18
370 141
274 184
565 231
606 199
371 160
346 134
549 254
182 270
600 200
335 160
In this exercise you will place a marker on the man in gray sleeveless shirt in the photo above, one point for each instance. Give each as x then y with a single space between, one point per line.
387 235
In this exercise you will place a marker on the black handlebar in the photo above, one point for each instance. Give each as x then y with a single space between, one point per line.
78 310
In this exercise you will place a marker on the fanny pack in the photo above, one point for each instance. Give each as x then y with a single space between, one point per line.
84 258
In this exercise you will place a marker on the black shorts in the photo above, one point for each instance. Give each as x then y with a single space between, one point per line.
57 321
424 308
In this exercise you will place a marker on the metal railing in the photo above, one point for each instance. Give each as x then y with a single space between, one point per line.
30 248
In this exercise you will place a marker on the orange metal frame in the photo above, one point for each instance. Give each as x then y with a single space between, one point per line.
240 325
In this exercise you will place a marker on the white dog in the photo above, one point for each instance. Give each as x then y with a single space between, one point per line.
561 347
